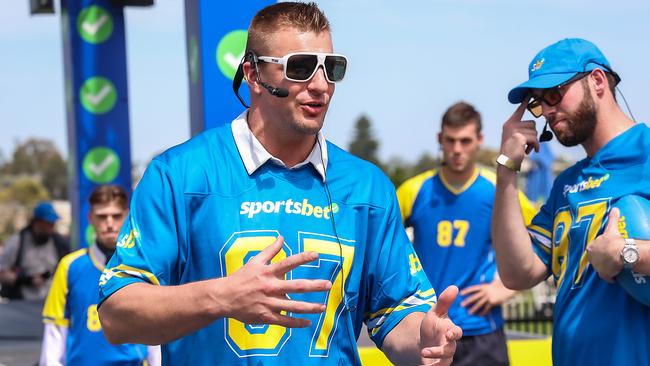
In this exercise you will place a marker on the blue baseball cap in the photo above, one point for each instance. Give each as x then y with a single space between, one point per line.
45 211
558 63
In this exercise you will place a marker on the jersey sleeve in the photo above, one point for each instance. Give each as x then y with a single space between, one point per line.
53 346
528 209
540 232
397 285
152 237
408 192
55 310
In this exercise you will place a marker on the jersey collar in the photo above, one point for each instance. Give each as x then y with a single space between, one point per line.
254 155
458 190
97 257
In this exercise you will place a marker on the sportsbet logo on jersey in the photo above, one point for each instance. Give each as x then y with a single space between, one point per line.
127 241
585 185
304 208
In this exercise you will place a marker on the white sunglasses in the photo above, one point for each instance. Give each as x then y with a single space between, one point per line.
301 66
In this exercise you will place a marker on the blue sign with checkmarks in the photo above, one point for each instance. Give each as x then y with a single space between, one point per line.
98 111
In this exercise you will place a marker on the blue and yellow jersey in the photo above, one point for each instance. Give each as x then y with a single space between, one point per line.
197 214
72 303
588 310
452 236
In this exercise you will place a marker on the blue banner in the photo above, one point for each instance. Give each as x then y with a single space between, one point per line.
216 40
96 105
540 177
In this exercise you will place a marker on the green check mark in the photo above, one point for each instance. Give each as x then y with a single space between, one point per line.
90 235
193 59
98 95
101 165
230 51
95 24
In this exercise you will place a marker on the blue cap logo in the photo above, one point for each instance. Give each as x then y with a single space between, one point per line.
537 65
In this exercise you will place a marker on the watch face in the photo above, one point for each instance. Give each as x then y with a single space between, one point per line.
630 255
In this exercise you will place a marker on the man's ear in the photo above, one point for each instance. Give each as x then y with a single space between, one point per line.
599 81
250 76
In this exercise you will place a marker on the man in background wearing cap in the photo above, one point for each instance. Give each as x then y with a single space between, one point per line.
574 237
30 256
73 334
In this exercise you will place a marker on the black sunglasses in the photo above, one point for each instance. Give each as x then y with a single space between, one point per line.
551 96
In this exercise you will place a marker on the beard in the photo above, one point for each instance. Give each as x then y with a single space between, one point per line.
40 239
580 124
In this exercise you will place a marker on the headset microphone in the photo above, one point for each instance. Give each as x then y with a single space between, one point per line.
546 135
278 92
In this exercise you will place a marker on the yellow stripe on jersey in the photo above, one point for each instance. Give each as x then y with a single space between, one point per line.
377 319
541 237
408 191
540 230
528 210
124 271
54 309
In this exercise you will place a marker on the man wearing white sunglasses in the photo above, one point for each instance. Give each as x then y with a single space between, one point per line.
259 242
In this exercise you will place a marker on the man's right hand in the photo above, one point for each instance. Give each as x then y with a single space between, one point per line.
519 137
257 292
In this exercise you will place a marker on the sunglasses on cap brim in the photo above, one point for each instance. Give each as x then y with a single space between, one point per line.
302 66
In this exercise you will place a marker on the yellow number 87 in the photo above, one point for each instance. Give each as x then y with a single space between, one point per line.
446 232
268 340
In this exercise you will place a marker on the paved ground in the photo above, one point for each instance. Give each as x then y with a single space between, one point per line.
20 333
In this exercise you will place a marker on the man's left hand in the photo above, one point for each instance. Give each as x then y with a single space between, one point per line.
483 297
438 334
604 253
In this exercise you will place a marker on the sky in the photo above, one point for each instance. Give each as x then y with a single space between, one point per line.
408 62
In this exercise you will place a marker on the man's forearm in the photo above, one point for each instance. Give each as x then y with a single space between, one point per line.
402 344
519 268
148 314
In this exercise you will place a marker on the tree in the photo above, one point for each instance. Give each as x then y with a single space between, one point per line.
487 156
41 159
397 171
25 191
425 162
364 144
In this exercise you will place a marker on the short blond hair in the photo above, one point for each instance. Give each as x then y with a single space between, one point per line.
305 17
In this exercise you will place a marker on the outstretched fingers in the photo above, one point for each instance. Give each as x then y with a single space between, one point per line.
302 286
288 321
269 252
298 307
289 263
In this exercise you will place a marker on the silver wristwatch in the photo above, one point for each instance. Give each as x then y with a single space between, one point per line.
629 254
